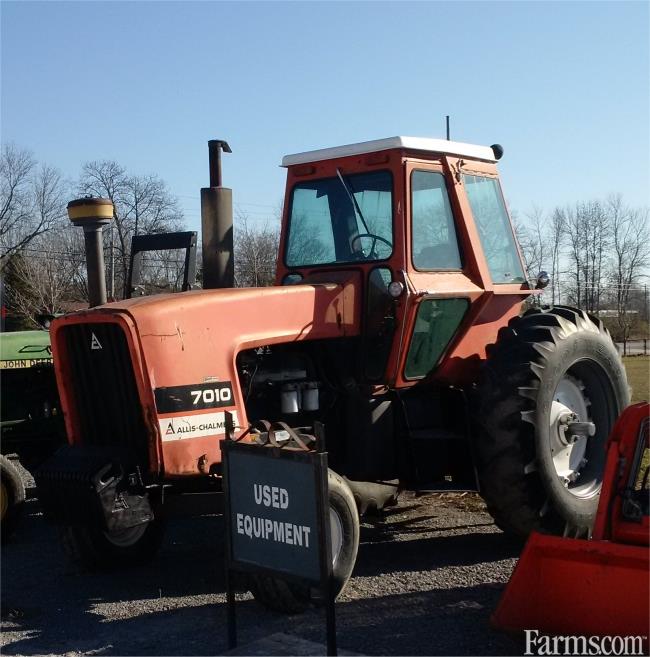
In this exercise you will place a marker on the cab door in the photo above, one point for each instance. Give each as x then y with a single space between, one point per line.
441 269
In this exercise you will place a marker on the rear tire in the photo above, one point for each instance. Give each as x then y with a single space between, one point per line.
96 549
12 497
545 366
290 598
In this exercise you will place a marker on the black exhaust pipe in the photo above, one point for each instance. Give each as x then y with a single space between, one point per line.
216 224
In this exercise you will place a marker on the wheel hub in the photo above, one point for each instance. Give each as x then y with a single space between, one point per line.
570 429
336 535
126 537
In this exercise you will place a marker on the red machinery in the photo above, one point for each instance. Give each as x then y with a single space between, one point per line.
598 586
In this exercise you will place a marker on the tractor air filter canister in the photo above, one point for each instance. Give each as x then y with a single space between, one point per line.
290 398
310 396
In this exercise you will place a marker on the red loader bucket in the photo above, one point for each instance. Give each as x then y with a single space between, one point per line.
577 587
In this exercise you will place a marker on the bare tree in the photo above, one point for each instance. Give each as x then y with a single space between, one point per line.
630 256
162 271
541 246
256 252
305 245
556 237
32 200
45 277
573 228
588 233
532 241
143 204
599 236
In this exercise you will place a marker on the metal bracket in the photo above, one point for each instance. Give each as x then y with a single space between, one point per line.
161 242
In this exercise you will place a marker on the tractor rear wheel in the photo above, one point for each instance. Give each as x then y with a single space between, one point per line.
12 497
553 386
290 598
97 549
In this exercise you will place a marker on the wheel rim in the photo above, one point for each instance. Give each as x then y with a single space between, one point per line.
579 464
4 500
127 537
336 535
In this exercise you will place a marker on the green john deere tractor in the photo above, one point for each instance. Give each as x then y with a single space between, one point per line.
30 419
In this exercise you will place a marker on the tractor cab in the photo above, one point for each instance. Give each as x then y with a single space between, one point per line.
421 229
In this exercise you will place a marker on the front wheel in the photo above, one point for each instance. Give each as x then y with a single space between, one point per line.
287 597
12 497
97 549
552 389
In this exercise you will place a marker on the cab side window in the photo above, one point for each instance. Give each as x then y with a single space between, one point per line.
495 231
434 240
435 325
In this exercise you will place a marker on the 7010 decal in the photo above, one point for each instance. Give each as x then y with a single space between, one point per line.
210 396
193 397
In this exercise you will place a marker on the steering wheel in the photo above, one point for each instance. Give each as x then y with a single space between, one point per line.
375 239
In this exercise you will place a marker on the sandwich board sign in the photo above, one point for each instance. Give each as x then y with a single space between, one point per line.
277 518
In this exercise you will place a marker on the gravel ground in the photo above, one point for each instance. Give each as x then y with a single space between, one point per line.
428 575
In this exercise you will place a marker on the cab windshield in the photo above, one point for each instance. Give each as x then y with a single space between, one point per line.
347 218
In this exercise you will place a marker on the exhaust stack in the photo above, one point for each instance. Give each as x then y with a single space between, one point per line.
216 224
92 214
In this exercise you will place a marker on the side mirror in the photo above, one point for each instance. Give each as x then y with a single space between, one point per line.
543 279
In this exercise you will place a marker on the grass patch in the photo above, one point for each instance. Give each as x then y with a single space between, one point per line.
638 375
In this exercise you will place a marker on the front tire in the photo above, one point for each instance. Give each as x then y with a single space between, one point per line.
96 549
12 497
551 374
290 598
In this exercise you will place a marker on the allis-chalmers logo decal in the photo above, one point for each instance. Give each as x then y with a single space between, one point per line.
193 426
95 344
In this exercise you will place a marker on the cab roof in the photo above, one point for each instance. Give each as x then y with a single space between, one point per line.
424 144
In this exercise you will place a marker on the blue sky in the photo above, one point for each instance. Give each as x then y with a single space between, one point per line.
565 87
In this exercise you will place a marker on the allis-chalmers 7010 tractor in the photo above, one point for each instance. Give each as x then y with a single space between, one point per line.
395 321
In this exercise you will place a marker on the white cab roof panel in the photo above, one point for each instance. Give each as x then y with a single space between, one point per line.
424 144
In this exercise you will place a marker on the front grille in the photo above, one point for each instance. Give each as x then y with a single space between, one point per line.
100 374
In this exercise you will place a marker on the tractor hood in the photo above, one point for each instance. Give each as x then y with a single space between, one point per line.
207 328
182 342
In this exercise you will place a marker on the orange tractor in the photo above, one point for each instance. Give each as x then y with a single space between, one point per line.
395 321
